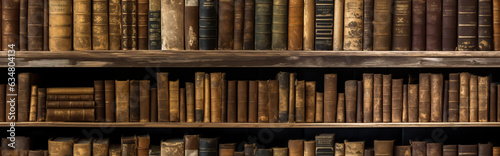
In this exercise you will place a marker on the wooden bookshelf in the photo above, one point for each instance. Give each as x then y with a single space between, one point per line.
253 58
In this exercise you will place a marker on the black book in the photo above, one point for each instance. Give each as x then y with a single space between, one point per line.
208 147
134 101
325 144
324 25
154 25
208 25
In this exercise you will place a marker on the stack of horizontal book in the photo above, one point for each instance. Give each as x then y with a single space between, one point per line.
70 104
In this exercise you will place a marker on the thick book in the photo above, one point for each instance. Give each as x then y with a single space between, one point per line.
485 25
70 104
353 25
433 25
191 24
231 101
377 97
383 147
453 97
249 25
70 97
467 25
449 38
482 96
173 96
418 147
310 101
263 99
424 99
291 98
115 150
405 103
35 25
191 145
339 149
324 25
129 145
273 100
134 102
401 26
162 93
190 106
467 150
279 25
143 142
10 24
354 148
253 92
418 25
350 101
242 101
33 103
109 100
172 24
496 24
249 149
71 90
208 147
283 151
226 149
154 23
216 97
226 24
23 25
82 25
283 92
446 98
338 25
485 149
340 108
208 98
319 107
23 100
154 105
386 98
99 100
263 26
122 91
359 102
308 33
100 27
309 148
370 152
368 25
207 25
436 98
325 144
100 147
115 12
199 85
397 100
129 25
142 24
493 102
382 25
463 110
295 24
239 11
61 145
144 100
435 149
300 95
450 150
296 147
71 114
402 150
496 151
330 98
83 147
367 97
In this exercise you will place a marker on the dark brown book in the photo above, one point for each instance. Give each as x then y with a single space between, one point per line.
142 24
231 101
172 36
226 24
35 153
223 107
405 103
341 108
377 97
382 25
367 97
70 104
424 99
163 100
143 142
436 98
174 105
226 149
115 12
82 25
319 107
338 25
249 25
467 150
359 102
355 148
10 24
122 90
71 90
496 151
446 99
350 101
41 112
418 147
402 151
449 38
493 102
353 26
485 149
273 100
401 31
3 101
100 147
464 97
99 100
109 100
284 91
249 149
369 152
115 150
473 99
418 25
330 98
61 145
310 106
129 25
309 148
182 104
191 144
309 24
83 147
242 103
45 25
70 97
263 107
435 149
144 100
300 95
23 111
35 25
368 25
434 23
296 147
454 97
100 33
239 10
485 25
23 25
295 24
208 95
496 24
253 92
134 96
190 102
191 24
397 100
129 145
498 102
450 150
199 84
291 98
383 147
467 25
386 98
33 103
71 114
482 96
339 149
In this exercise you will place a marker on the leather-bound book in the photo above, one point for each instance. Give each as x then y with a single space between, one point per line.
482 96
449 38
402 151
231 101
172 24
339 149
82 25
154 23
226 24
129 145
436 98
433 29
163 100
295 24
22 145
324 25
446 98
485 28
397 100
308 34
191 144
367 97
250 149
263 20
355 148
493 102
129 25
341 108
496 24
115 150
143 142
100 147
242 101
464 97
99 100
401 31
319 107
10 24
174 105
350 101
353 25
496 151
325 144
377 97
310 101
418 25
467 150
338 25
368 25
300 95
405 103
450 150
291 98
359 102
467 25
115 12
264 152
23 98
70 104
485 149
208 147
278 151
386 98
330 98
142 24
309 148
279 25
418 147
35 153
23 25
191 23
382 25
71 90
383 147
206 103
71 114
273 100
61 145
453 96
218 90
172 147
134 101
144 100
284 91
249 25
70 97
122 91
435 149
109 100
226 149
100 33
253 92
424 106
33 103
263 99
182 104
190 106
199 85
369 152
239 10
296 147
83 147
35 25
45 25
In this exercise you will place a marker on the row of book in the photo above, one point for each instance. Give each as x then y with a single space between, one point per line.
194 145
464 97
434 25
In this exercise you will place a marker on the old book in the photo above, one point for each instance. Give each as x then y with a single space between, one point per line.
83 147
386 98
450 150
249 149
216 96
23 22
338 25
359 102
273 100
324 25
122 90
367 97
296 147
433 25
129 145
467 150
405 103
70 97
224 89
191 25
100 147
71 90
143 142
350 101
226 149
402 150
397 100
163 99
295 24
283 92
309 148
435 149
35 25
208 146
493 102
467 25
341 108
191 145
172 22
24 93
418 25
142 24
35 152
291 98
368 25
485 149
278 151
226 24
61 145
496 24
190 106
242 101
300 101
354 148
464 97
485 28
174 105
382 25
10 24
418 147
263 105
309 32
129 25
100 33
279 25
401 38
473 99
199 96
239 10
496 151
154 23
208 98
449 38
182 104
154 105
33 103
310 106
115 12
369 152
253 92
330 98
207 25
263 27
444 111
264 152
70 114
115 150
70 104
383 147
325 144
377 97
45 25
424 106
319 107
99 100
109 100
82 25
134 102
249 25
436 98
353 25
231 101
482 96
144 100
339 149
453 96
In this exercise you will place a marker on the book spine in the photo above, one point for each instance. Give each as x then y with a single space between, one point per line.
446 100
283 92
249 25
60 148
467 150
300 95
207 99
242 101
35 25
249 149
100 38
309 148
413 103
129 25
82 25
339 149
172 24
190 102
45 25
436 97
433 29
383 147
263 105
350 101
208 146
163 100
324 25
496 151
485 25
382 25
144 100
191 144
60 25
109 98
239 11
182 104
353 148
70 104
253 92
464 97
359 102
482 93
401 38
353 25
435 149
10 24
263 24
295 24
454 97
296 147
142 24
191 23
308 40
173 148
82 148
367 97
216 97
71 90
386 98
405 103
226 24
23 25
273 100
199 96
424 99
115 150
122 90
330 98
143 143
174 105
418 147
418 25
493 102
496 24
231 101
33 103
449 40
368 25
291 98
377 98
338 25
473 99
279 25
341 108
86 114
154 105
325 144
310 101
23 97
278 152
99 100
397 100
226 149
115 12
402 151
450 150
224 99
485 149
134 102
319 107
467 25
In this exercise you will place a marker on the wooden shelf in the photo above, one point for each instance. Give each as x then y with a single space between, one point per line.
251 125
242 58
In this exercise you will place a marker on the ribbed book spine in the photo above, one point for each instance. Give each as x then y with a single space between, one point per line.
283 91
436 97
368 97
467 25
172 24
401 32
473 99
330 98
60 25
249 25
295 24
324 25
449 40
129 25
418 25
208 25
433 29
242 101
338 25
280 24
424 106
353 25
23 25
464 97
386 98
453 97
226 24
142 24
100 33
377 97
263 20
350 101
10 24
485 25
291 98
82 25
397 100
368 25
310 101
115 12
154 24
496 24
483 92
382 25
239 11
35 25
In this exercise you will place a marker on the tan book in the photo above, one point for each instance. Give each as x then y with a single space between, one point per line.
172 24
83 147
82 25
377 98
60 25
253 91
143 142
199 95
144 100
436 97
277 151
115 13
296 147
300 97
353 25
226 149
418 147
339 149
33 103
129 145
482 95
231 101
172 147
383 147
182 104
340 108
413 103
273 100
122 91
100 33
295 24
464 97
330 98
367 97
354 148
100 147
162 93
319 107
208 98
174 104
397 100
71 90
190 102
61 145
338 25
402 151
309 148
424 106
496 151
309 23
350 100
263 101
473 105
291 98
386 98
310 101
